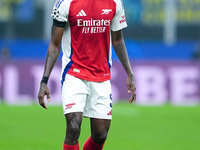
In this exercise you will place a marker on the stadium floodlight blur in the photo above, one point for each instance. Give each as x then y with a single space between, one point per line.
161 35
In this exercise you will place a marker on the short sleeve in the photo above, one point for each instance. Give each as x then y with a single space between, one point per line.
119 20
61 10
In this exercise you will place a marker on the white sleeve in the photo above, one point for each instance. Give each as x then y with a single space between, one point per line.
61 10
119 20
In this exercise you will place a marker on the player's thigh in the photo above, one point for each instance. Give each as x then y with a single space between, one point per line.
74 94
73 120
99 126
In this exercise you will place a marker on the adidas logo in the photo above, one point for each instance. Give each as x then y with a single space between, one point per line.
81 13
110 113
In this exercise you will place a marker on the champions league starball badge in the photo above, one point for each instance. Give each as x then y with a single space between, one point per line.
55 13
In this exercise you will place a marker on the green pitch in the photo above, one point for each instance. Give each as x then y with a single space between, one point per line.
132 128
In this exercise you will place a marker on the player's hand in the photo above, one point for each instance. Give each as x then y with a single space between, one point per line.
130 83
44 90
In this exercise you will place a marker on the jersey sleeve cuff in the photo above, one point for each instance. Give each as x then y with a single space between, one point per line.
119 28
58 23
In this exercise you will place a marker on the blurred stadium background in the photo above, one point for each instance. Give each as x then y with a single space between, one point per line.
163 43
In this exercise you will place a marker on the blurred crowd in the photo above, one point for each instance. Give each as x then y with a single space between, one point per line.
30 19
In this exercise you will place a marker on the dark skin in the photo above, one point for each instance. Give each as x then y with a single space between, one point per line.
99 127
120 50
51 58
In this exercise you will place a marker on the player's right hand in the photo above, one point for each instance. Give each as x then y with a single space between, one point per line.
44 90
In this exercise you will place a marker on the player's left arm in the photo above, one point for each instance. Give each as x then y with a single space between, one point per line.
120 50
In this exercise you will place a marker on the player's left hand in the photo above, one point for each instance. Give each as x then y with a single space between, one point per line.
44 90
130 83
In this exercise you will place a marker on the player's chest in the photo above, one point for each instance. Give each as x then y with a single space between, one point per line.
91 12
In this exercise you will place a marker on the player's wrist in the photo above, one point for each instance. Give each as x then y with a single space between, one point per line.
44 80
130 74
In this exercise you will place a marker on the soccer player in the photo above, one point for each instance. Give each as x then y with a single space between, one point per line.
86 28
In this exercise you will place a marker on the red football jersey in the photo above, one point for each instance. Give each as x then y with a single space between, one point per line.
86 41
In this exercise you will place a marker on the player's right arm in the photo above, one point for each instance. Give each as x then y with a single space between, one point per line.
51 58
